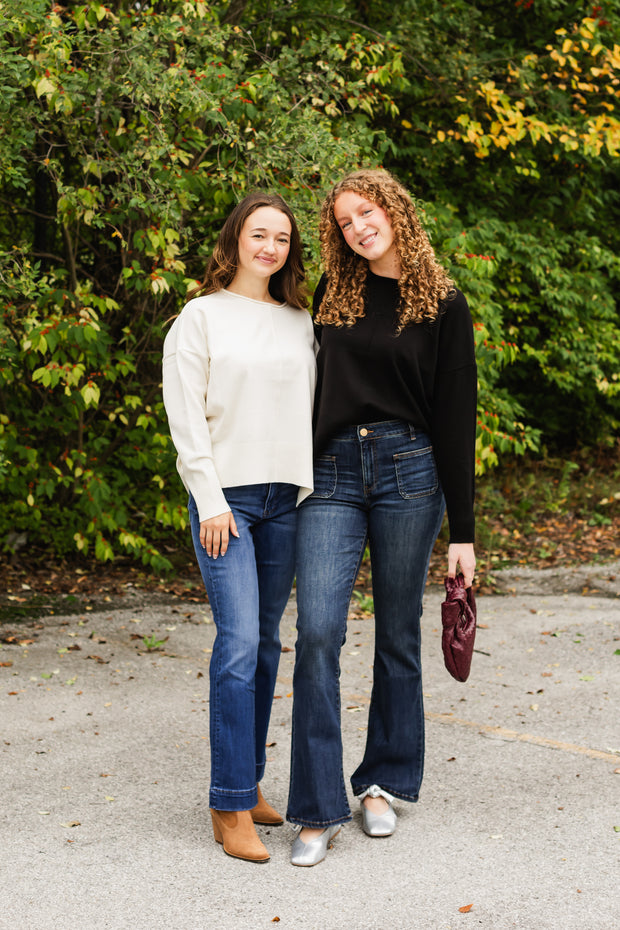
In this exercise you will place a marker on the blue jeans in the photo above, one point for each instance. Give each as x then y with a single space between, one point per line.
376 482
248 590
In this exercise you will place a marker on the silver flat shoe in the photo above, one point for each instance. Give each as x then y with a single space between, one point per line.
378 824
312 853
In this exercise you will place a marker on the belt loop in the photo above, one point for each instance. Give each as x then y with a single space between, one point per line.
411 431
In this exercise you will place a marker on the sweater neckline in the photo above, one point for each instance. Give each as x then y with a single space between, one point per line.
381 278
252 300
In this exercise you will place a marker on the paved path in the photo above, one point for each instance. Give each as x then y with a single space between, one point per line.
104 771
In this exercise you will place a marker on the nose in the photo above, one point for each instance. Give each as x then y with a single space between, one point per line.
359 224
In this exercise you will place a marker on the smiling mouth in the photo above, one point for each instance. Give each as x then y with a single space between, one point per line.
368 240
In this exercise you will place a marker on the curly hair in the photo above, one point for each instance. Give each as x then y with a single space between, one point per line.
286 285
424 285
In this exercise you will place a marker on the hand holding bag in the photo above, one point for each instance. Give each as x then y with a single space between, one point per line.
458 617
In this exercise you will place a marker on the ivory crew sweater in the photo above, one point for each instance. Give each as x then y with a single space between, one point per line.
426 376
238 384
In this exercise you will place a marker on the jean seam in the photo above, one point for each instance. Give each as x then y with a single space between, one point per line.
214 741
320 823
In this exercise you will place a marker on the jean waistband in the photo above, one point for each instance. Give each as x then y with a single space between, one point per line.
380 430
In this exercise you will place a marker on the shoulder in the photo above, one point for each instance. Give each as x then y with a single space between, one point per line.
189 328
456 331
205 303
454 311
455 303
207 308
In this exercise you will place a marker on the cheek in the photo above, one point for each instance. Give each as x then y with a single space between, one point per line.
349 237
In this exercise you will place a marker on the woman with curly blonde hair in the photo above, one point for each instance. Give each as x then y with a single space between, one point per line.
394 438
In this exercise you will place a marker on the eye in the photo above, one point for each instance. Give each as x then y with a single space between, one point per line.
344 225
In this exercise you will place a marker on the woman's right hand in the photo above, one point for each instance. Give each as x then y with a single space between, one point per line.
214 533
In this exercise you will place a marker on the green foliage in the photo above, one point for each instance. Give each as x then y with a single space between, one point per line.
128 130
509 118
126 133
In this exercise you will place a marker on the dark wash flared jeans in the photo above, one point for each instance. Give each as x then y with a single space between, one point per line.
375 483
248 590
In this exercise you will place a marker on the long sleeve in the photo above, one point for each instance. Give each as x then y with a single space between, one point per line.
185 385
453 418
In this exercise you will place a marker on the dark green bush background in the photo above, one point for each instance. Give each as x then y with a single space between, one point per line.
128 130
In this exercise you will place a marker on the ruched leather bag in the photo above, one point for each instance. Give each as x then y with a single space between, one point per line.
458 618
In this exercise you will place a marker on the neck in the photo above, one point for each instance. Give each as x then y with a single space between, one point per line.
386 267
249 286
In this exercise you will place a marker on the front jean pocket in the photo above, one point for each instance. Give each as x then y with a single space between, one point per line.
324 476
416 473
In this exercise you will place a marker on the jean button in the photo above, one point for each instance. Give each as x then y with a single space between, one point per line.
364 432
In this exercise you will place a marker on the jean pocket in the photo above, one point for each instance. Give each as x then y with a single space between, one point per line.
416 473
324 476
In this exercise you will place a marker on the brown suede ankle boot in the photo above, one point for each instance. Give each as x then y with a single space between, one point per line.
235 830
264 813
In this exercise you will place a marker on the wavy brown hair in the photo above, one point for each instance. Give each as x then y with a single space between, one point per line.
287 284
424 285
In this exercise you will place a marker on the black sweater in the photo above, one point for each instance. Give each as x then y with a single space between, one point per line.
426 376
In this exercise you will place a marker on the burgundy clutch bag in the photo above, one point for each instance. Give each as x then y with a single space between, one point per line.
458 617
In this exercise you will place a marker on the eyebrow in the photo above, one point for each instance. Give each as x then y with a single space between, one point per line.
345 216
264 229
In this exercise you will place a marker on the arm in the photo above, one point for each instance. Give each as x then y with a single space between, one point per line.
454 432
185 381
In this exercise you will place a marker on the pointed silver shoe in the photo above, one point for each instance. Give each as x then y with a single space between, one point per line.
378 824
312 853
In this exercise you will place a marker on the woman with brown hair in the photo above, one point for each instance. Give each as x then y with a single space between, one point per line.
394 438
238 378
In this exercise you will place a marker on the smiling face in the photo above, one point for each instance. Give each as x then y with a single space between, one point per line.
264 243
367 230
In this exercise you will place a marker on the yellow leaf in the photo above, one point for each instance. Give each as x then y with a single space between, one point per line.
43 86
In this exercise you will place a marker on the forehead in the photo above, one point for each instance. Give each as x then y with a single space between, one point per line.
349 202
268 218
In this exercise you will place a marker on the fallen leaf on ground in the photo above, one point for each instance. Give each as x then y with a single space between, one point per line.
466 909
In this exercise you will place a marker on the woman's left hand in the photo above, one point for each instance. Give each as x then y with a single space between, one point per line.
462 554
